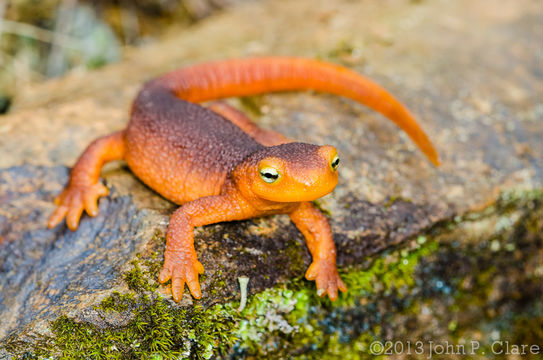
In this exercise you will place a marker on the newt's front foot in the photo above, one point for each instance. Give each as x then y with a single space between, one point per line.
73 200
327 278
181 267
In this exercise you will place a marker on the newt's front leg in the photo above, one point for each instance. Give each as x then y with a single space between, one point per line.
180 260
181 264
318 236
84 189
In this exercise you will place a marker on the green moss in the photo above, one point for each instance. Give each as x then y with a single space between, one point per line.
344 52
318 205
139 280
117 302
158 237
500 293
392 272
393 199
516 197
294 252
217 284
143 276
157 330
356 349
253 104
508 201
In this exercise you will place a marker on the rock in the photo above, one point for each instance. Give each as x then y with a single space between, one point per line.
428 253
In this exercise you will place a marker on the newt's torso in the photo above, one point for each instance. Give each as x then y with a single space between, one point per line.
182 150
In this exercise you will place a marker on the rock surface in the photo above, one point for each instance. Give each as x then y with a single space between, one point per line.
470 71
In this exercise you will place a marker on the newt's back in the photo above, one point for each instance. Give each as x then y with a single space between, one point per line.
180 149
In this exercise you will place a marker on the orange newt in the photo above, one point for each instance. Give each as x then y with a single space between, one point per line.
220 166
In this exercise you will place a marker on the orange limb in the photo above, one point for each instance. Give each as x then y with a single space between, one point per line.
253 76
318 236
181 264
84 188
263 136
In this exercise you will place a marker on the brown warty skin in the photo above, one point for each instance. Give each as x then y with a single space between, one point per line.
220 166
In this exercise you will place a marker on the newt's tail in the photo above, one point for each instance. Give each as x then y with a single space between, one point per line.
269 74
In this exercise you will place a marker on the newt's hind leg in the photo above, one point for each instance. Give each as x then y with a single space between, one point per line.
84 189
263 136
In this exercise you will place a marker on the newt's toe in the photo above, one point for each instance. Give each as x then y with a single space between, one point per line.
341 285
326 278
181 269
165 275
178 285
332 293
73 201
311 272
194 287
74 214
57 216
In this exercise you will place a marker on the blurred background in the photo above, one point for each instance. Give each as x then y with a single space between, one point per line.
40 39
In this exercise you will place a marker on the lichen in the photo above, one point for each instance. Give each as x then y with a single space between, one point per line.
279 320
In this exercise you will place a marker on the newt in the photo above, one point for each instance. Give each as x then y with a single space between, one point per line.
220 166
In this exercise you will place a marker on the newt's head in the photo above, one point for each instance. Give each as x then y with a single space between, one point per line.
290 172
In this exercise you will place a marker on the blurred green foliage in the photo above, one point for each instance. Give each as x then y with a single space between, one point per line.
40 39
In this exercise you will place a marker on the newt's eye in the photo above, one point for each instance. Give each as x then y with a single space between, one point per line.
269 175
335 163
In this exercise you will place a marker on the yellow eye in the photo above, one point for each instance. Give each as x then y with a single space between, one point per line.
269 175
334 164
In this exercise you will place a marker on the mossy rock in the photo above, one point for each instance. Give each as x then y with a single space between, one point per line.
445 253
